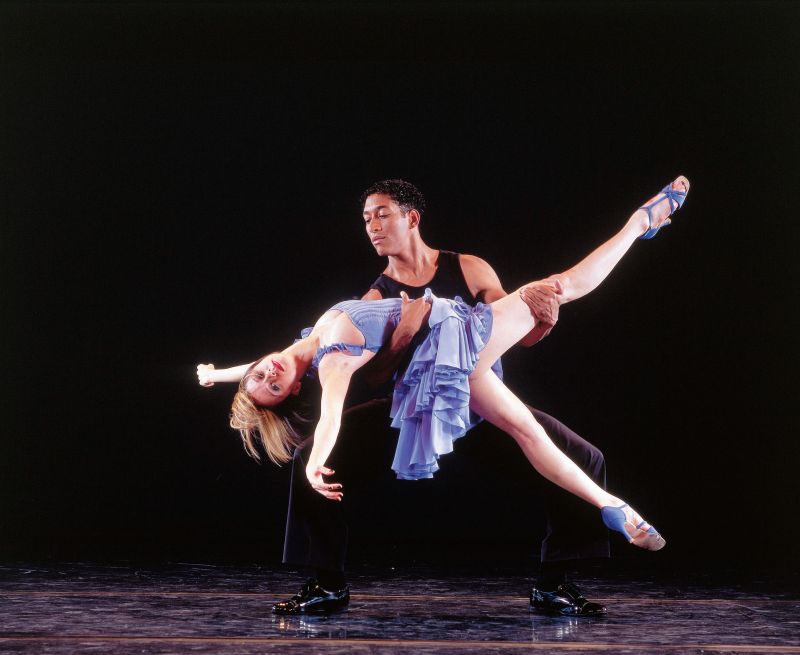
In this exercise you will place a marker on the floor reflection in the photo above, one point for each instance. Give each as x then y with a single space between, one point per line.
332 626
557 628
225 610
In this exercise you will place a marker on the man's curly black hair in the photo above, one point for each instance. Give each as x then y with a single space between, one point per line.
405 194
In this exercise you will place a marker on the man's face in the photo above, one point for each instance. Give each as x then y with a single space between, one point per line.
387 226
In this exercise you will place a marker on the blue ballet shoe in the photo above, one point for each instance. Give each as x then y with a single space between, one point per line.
616 519
676 199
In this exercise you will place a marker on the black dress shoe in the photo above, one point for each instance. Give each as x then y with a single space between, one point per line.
566 600
313 599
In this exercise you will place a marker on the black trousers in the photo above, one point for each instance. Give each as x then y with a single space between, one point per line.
316 528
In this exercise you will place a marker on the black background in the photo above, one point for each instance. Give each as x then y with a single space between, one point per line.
180 183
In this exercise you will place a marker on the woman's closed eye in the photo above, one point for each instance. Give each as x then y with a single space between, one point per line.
261 376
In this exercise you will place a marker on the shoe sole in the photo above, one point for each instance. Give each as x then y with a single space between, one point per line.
644 539
555 612
652 542
307 612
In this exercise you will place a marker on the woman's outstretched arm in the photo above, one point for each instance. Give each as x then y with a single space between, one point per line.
334 391
335 372
208 376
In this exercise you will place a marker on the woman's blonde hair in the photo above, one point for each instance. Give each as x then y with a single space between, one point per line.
274 428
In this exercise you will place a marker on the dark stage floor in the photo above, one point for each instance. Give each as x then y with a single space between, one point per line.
192 608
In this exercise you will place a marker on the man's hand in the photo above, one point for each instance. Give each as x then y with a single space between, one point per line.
205 373
331 490
543 299
413 313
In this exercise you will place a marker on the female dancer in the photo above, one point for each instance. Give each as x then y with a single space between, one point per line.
450 374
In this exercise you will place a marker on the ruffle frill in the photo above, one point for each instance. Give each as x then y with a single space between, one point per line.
430 404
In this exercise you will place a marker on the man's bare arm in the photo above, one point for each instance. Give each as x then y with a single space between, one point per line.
412 315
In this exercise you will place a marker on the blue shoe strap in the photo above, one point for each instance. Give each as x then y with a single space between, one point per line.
650 530
676 200
674 196
666 196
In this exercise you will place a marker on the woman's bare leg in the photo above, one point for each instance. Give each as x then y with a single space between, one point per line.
492 400
512 317
587 274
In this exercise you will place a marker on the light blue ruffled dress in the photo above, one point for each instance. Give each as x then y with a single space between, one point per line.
430 403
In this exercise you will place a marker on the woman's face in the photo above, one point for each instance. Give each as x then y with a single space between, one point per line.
271 380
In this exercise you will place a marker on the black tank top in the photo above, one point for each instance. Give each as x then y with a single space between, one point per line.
447 282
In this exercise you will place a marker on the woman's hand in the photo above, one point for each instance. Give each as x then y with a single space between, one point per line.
205 375
331 490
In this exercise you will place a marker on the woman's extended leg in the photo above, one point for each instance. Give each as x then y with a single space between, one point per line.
495 402
512 317
491 399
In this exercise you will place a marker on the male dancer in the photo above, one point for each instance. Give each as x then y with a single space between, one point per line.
316 533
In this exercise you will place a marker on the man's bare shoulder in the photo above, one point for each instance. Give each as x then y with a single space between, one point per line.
372 294
474 263
481 278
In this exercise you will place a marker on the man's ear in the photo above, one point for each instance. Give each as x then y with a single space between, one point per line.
296 388
413 218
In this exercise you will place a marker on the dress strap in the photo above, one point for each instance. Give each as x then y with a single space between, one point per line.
347 348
